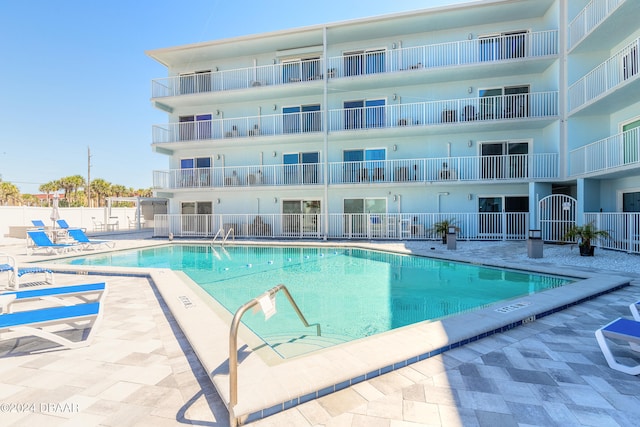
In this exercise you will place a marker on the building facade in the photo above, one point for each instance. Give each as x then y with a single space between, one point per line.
501 115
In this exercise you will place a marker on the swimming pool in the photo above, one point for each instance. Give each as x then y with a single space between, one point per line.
351 293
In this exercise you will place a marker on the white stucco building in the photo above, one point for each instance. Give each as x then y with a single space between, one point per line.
380 127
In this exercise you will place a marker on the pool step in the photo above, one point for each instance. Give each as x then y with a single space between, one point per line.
290 345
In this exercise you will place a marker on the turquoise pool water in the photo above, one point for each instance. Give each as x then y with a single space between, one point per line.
351 293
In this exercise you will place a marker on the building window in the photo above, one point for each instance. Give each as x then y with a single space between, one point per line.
631 202
364 62
194 127
301 118
507 45
297 70
301 215
504 102
196 82
502 160
364 114
301 168
631 142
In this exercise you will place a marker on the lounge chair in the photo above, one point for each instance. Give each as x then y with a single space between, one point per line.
33 322
41 241
624 330
89 292
8 265
79 236
38 224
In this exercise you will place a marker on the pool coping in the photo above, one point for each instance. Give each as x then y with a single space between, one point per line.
267 387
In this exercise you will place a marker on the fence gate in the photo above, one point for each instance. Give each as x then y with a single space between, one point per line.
556 213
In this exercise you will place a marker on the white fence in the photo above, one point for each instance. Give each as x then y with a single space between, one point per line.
590 17
624 229
471 226
21 216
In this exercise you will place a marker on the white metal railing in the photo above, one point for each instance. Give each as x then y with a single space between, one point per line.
404 226
615 151
589 18
469 168
624 228
506 107
240 176
484 50
239 127
615 71
446 169
463 52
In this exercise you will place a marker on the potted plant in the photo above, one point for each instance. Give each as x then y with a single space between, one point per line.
442 228
585 235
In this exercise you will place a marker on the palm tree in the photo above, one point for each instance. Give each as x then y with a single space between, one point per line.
8 191
48 188
75 181
100 189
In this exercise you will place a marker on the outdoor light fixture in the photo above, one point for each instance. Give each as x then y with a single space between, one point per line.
275 107
395 147
395 96
469 196
470 143
273 154
218 201
470 89
275 200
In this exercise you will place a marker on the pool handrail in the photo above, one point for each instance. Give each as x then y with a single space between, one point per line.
233 342
225 237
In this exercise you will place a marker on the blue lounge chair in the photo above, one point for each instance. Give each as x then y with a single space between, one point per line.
41 241
79 236
623 330
8 265
33 322
89 292
38 223
63 224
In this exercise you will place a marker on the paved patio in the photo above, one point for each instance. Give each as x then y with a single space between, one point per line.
140 370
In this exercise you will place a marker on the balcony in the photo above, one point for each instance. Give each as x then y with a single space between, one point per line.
239 176
617 71
450 112
614 152
446 169
241 127
592 16
447 112
465 52
514 168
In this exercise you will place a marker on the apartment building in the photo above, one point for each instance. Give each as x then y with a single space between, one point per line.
502 115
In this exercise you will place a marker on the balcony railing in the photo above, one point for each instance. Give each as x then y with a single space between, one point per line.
241 127
446 169
615 71
239 176
589 18
615 151
464 52
479 51
472 226
490 108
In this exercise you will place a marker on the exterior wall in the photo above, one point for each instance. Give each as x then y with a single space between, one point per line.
416 90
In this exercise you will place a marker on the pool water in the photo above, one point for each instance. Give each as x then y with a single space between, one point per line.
351 293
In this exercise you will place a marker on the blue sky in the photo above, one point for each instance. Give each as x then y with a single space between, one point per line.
74 75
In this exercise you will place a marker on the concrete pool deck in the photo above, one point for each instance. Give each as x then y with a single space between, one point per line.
550 369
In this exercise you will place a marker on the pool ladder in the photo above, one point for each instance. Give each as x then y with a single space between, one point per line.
233 342
223 235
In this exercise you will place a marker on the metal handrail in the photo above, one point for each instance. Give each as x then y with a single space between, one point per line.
233 342
226 236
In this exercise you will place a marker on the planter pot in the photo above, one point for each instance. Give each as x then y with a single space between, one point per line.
586 250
